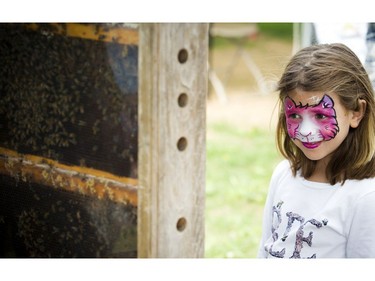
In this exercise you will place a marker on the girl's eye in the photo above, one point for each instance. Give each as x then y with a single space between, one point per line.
294 116
320 116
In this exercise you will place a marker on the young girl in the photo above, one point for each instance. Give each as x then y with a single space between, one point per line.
321 201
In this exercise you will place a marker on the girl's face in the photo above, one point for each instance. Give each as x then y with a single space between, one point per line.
316 122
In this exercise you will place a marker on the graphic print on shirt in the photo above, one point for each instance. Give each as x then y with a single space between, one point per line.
299 239
311 123
276 210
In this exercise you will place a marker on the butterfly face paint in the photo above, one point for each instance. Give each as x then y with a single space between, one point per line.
311 123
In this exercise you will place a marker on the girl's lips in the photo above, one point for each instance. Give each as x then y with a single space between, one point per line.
311 145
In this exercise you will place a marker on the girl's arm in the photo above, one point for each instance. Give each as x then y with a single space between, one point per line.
361 239
267 225
279 171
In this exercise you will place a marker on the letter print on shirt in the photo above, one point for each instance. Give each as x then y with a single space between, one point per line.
299 239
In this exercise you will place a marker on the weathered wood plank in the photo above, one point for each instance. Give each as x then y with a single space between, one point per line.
86 181
172 106
119 33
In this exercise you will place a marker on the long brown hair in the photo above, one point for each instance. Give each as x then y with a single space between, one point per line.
331 68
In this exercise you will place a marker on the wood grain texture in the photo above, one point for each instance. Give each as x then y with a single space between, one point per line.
172 173
82 180
119 33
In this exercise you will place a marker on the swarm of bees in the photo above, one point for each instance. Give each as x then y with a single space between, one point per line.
75 101
60 224
69 99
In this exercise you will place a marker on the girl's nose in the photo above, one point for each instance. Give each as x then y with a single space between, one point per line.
307 127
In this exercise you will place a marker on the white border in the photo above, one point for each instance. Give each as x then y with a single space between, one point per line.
185 269
186 11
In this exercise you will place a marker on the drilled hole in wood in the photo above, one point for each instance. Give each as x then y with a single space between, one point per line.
182 55
182 144
183 100
181 224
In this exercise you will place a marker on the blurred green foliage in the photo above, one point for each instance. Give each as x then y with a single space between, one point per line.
282 31
278 30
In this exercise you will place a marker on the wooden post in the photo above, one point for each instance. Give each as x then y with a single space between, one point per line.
172 132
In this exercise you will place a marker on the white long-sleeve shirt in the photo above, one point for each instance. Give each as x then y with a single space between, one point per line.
304 219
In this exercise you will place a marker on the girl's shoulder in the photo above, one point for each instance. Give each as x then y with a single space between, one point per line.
360 188
368 183
282 170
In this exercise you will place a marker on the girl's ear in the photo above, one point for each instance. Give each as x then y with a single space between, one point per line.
356 116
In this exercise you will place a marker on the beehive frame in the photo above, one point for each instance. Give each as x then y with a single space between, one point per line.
166 188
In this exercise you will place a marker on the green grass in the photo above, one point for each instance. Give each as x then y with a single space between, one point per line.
239 166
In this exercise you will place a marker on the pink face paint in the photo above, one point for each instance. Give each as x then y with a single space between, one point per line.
311 124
